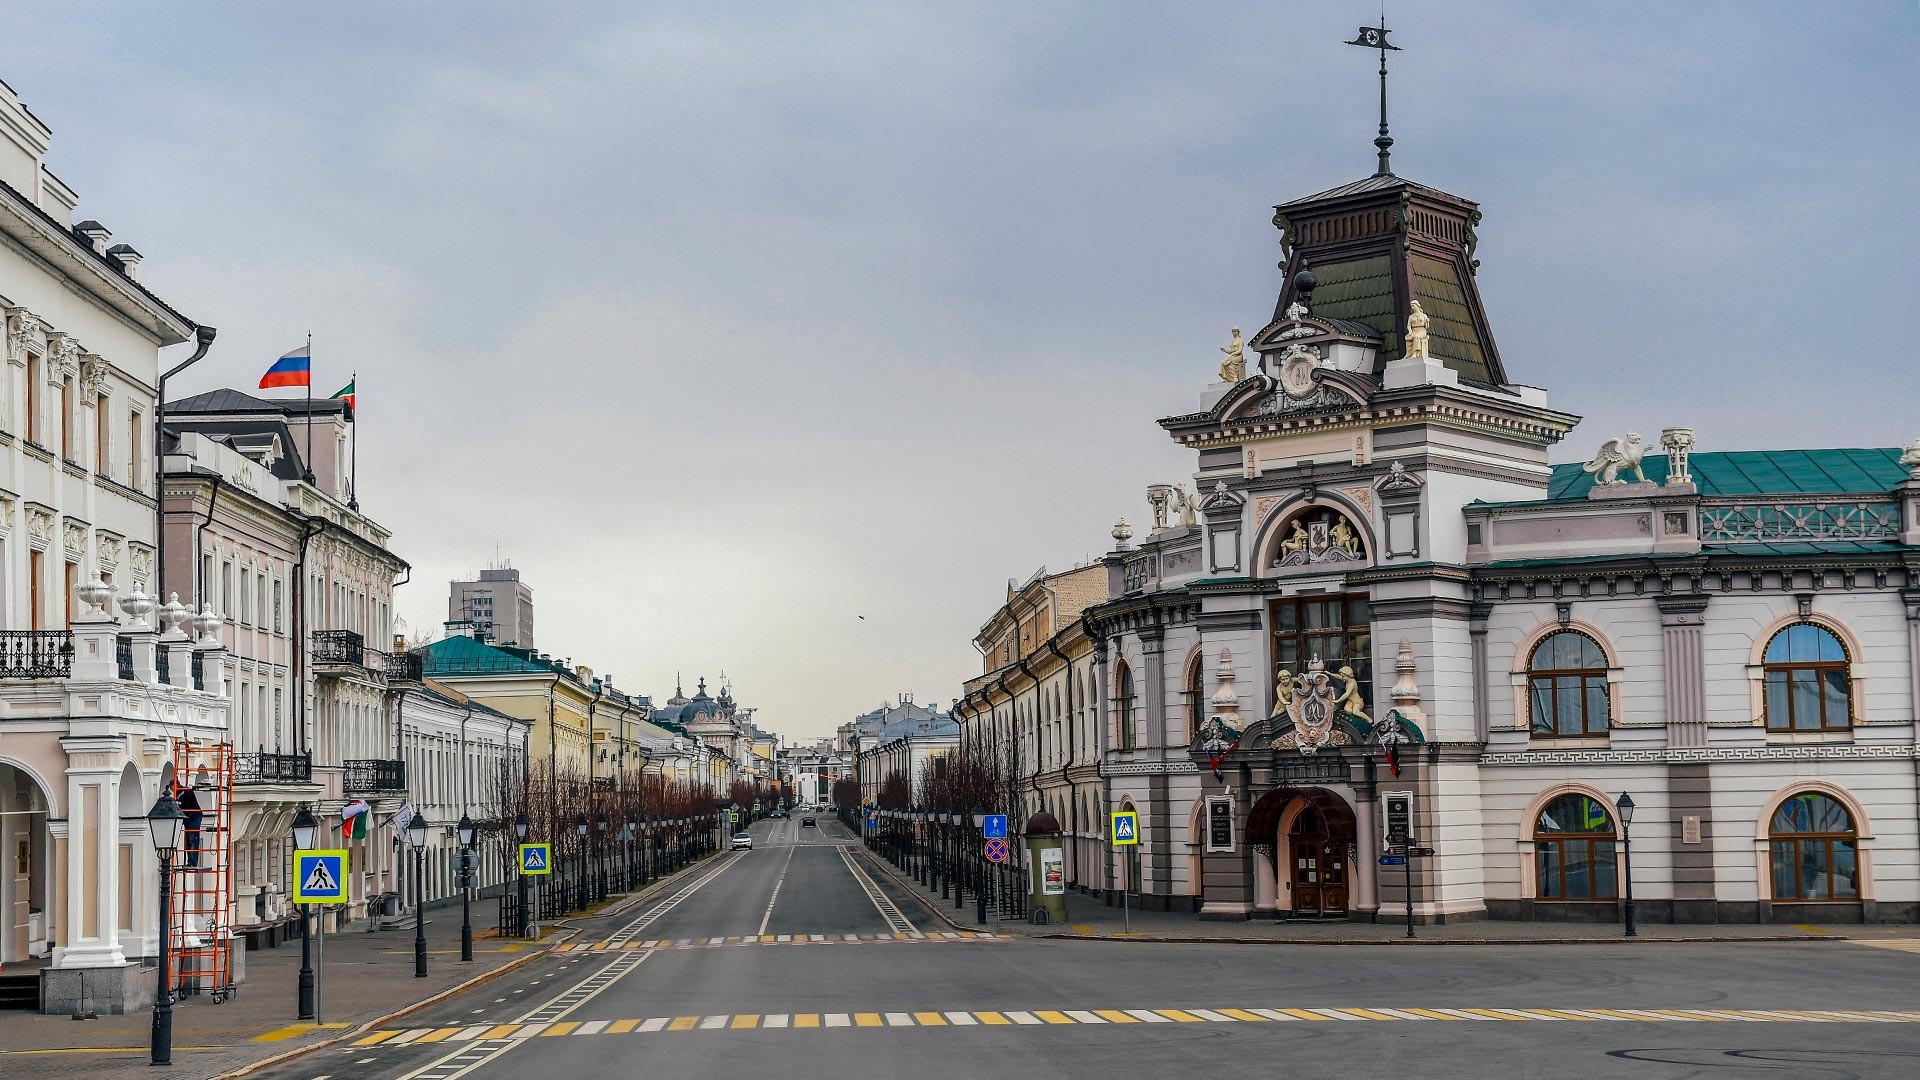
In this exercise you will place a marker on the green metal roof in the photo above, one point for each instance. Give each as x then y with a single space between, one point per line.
460 655
1763 472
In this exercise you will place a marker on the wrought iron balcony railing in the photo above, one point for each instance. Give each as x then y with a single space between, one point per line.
265 768
404 665
376 774
36 654
123 656
336 648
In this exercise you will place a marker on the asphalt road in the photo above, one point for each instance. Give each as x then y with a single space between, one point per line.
857 990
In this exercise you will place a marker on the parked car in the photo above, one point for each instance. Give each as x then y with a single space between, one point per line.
743 841
807 823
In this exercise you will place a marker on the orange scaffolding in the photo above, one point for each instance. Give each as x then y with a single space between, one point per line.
202 934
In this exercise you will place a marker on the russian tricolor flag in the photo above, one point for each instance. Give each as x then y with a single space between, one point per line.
293 369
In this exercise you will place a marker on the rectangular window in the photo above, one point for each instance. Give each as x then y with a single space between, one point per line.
278 625
1331 629
244 612
66 418
36 568
260 598
136 461
72 580
33 398
225 604
102 441
205 592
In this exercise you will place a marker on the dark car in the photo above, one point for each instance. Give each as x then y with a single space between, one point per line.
807 823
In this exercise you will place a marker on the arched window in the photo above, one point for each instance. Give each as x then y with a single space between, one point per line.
1816 850
1196 695
1123 706
1809 687
1567 686
1573 850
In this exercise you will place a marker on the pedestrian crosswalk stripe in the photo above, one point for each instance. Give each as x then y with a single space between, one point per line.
782 939
1079 1017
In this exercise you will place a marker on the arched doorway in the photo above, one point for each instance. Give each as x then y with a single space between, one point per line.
1310 835
26 926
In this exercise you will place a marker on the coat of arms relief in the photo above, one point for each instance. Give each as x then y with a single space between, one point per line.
1314 700
1325 538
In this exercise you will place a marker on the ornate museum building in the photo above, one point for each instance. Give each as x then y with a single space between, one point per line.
1383 620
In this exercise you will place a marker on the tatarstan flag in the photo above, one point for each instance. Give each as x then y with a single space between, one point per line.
346 392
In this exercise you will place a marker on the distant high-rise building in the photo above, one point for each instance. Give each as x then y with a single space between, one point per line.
499 605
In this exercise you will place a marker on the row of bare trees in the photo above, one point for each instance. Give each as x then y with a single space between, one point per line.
557 800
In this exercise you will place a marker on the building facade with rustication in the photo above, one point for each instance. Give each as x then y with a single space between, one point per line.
1389 623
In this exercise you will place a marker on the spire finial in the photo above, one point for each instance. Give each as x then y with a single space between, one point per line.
1375 37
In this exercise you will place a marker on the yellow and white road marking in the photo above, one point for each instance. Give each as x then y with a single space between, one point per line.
1078 1017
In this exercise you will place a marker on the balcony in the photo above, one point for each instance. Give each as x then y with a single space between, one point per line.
265 768
404 666
373 775
337 651
36 654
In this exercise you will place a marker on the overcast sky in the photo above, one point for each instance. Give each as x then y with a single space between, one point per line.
730 324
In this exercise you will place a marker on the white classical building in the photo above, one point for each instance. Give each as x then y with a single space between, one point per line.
97 716
1382 620
463 759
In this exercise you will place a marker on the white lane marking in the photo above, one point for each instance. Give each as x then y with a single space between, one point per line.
1271 1014
962 1019
889 911
1024 1018
840 1019
775 1020
1084 1017
715 1023
898 1019
1149 1016
771 900
654 1024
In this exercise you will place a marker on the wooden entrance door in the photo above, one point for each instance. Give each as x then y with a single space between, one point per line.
1320 871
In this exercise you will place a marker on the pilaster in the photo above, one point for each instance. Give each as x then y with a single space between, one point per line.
1682 619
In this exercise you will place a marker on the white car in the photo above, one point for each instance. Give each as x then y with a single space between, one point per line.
742 841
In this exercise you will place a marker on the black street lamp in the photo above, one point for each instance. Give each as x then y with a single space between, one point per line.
306 829
465 829
600 853
1624 806
520 832
980 890
169 827
417 837
580 865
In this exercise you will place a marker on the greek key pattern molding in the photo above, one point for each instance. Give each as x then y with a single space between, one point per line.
1705 754
1152 768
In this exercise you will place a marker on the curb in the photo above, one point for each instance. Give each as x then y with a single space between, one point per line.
1020 930
543 949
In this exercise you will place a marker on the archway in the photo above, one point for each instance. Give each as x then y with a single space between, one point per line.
1310 835
26 928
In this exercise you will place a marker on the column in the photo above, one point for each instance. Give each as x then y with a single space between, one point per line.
1366 858
90 893
1154 860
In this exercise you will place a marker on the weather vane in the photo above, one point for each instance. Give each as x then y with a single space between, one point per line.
1375 37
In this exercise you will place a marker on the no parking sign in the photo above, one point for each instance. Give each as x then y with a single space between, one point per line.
996 850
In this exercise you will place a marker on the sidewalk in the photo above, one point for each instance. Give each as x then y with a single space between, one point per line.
367 977
1088 918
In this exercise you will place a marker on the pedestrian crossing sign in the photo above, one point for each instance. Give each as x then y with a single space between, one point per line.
1126 828
536 859
320 876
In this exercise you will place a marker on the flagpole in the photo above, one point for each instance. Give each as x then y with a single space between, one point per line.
353 491
309 468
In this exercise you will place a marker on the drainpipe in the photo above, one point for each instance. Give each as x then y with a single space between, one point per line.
203 340
300 638
1066 768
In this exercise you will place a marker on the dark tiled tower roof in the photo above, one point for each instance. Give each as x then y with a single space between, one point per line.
1376 245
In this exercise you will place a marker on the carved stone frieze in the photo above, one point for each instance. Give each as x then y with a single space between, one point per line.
106 548
63 357
39 527
93 374
26 332
142 560
1317 537
1362 497
73 537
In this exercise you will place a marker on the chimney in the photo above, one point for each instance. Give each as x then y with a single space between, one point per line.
458 628
124 255
94 233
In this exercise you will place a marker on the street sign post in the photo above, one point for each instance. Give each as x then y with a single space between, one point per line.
1393 860
1125 832
536 859
1420 852
994 826
996 849
320 876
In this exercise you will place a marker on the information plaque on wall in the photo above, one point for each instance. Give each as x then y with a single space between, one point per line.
1219 824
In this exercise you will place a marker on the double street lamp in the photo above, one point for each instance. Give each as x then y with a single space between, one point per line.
306 830
1624 807
980 890
466 830
169 828
417 838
